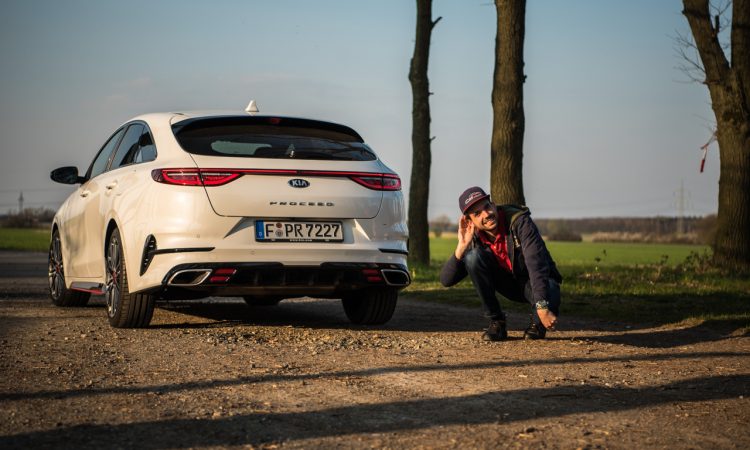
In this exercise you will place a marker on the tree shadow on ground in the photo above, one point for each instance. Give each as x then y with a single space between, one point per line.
259 428
271 378
704 331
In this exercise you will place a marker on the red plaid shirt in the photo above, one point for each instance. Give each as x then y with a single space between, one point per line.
500 246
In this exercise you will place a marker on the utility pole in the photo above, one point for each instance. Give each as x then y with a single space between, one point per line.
681 208
20 203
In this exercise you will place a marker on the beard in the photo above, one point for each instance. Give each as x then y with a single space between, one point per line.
489 223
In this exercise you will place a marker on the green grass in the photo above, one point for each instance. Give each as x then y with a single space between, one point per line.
601 254
27 239
631 283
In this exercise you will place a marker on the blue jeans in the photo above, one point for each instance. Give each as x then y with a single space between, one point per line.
489 278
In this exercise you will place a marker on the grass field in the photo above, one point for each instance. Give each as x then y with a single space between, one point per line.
600 254
619 282
30 239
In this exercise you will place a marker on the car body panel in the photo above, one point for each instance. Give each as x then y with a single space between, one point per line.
263 195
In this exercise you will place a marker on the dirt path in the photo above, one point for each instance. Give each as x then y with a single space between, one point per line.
216 373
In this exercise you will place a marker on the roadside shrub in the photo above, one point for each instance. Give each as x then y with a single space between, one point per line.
558 230
706 229
29 218
441 224
698 263
653 238
565 236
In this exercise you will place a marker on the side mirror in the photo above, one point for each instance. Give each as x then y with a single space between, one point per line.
66 175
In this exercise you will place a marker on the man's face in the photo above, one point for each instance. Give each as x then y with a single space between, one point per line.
483 215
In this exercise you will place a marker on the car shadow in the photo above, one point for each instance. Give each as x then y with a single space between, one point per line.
320 314
420 316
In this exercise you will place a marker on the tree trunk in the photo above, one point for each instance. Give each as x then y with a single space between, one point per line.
506 172
419 191
729 87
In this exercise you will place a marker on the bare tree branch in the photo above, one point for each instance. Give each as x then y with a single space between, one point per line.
687 51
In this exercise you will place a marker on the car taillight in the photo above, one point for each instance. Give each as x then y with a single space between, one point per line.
218 178
379 182
194 177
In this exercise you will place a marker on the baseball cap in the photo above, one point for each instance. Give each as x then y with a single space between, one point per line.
470 196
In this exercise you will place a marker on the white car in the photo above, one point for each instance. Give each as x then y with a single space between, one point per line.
189 205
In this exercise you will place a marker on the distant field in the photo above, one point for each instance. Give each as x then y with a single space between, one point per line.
30 239
599 254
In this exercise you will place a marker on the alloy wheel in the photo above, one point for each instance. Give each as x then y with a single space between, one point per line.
113 278
56 272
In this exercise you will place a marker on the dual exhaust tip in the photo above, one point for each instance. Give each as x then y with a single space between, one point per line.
196 277
189 277
395 277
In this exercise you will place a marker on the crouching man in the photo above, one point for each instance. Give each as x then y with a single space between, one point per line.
500 248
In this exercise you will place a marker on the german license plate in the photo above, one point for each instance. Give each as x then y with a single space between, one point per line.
286 231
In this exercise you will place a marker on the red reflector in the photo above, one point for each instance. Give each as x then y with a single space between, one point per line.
374 279
227 271
218 279
371 271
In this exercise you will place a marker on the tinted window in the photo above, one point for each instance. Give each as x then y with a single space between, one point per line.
238 138
100 162
146 148
128 146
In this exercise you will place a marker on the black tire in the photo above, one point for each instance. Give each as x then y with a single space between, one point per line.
370 307
58 293
125 310
261 301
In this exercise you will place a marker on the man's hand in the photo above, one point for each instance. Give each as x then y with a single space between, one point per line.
548 318
465 234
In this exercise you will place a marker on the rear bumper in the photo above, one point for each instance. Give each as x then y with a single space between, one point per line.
271 278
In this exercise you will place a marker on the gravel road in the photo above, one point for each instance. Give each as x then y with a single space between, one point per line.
218 374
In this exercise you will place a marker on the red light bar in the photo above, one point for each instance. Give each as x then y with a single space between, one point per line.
379 182
218 177
195 177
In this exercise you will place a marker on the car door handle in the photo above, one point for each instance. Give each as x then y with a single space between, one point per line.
111 185
85 193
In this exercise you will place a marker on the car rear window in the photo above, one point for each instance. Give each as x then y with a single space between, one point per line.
270 137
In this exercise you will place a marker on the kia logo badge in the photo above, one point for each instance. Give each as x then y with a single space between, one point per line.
299 183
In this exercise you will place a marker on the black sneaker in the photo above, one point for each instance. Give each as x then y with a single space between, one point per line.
497 331
535 331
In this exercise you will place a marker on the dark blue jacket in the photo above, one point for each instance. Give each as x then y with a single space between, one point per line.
528 254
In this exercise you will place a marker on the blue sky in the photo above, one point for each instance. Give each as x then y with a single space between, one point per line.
612 127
